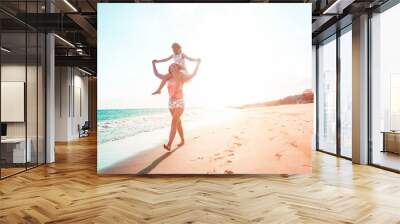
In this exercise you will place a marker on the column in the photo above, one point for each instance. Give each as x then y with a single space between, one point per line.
360 90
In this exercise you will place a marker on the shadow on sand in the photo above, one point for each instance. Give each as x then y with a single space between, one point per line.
155 163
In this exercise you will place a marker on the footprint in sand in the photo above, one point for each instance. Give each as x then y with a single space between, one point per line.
229 161
236 137
271 138
218 158
200 158
196 137
238 144
228 150
278 155
294 144
228 172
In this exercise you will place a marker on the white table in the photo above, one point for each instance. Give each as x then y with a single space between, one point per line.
18 150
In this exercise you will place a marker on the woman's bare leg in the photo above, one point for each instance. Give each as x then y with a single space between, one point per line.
180 132
177 112
179 128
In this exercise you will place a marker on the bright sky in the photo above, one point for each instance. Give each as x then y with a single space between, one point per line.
250 52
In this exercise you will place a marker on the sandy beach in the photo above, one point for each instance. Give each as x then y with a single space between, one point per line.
263 140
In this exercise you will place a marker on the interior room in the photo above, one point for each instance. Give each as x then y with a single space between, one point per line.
49 127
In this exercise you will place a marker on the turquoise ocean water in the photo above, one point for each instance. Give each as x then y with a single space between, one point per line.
115 124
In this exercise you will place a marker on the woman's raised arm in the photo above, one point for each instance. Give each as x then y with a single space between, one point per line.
189 77
157 74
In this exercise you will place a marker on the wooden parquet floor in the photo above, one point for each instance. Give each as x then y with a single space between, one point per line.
70 191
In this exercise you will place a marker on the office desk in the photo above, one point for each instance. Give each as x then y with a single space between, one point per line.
391 141
13 150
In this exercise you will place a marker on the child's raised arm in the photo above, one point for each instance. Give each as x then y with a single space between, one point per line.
189 58
165 59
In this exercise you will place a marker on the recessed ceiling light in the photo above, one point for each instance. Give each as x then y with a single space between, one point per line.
64 40
84 71
70 5
338 6
5 50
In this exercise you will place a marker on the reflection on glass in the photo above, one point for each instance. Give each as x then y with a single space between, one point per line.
327 96
386 89
346 94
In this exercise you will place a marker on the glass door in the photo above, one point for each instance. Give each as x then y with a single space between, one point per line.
346 93
327 96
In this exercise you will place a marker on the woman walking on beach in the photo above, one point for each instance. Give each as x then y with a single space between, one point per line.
176 78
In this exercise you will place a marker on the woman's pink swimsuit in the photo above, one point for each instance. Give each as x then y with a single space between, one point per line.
175 95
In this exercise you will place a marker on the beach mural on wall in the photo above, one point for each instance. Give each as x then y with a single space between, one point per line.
204 89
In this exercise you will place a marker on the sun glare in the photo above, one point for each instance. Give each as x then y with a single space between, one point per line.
247 56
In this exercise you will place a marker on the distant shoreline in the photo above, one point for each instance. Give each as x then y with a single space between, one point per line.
304 98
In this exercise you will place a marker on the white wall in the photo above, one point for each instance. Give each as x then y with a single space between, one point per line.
81 84
70 84
62 81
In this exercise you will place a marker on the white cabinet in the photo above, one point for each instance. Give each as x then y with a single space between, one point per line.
17 146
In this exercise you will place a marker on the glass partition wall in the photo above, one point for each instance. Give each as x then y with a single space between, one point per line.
385 89
22 107
334 108
14 155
